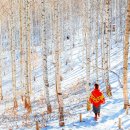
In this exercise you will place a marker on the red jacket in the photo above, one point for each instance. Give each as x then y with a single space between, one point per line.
97 98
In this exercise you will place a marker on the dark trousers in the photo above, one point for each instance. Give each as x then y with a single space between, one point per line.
96 109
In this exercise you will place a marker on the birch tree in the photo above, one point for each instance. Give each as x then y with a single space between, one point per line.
24 28
102 37
12 49
21 40
52 29
88 48
106 49
96 40
44 47
116 18
70 28
28 64
84 28
1 97
57 59
86 35
29 43
125 55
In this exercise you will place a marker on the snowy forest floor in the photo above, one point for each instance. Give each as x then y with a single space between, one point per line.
74 95
111 111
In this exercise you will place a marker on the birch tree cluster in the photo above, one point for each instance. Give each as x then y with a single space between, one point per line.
50 39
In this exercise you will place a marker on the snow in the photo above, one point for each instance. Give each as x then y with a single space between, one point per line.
74 95
111 111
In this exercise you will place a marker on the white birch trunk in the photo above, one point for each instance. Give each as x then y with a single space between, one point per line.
28 56
12 49
71 30
1 97
44 47
21 41
116 7
29 44
52 22
86 35
96 45
25 72
84 28
102 37
106 49
125 64
57 59
26 62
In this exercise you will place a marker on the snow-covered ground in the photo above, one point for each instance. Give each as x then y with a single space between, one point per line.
74 98
73 89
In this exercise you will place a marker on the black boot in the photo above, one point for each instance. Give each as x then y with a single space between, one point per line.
98 114
95 117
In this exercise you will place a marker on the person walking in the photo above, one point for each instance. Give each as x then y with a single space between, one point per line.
96 99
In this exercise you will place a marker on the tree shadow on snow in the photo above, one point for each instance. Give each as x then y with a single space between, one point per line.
88 122
50 128
111 117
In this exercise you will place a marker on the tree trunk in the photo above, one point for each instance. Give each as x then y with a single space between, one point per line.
86 32
106 49
21 42
116 21
125 64
12 49
44 47
52 29
96 37
1 97
24 14
29 44
57 59
28 55
102 37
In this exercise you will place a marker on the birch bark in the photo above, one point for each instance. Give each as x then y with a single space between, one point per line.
125 55
57 59
44 47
